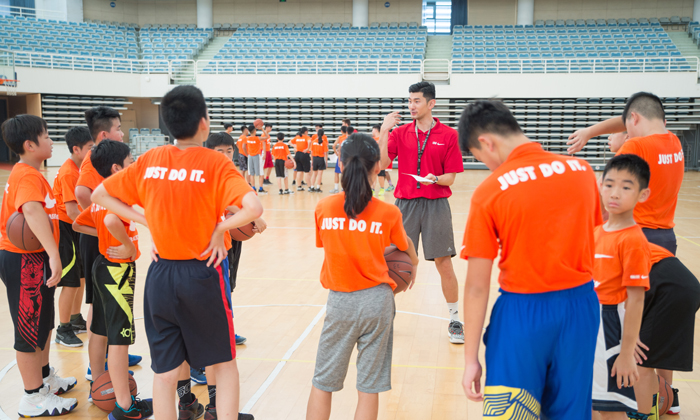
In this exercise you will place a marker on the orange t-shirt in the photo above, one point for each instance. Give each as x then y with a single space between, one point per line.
318 150
658 253
183 193
301 143
354 248
26 184
622 260
314 139
239 144
227 234
95 217
664 154
254 145
64 188
267 144
540 209
340 141
88 174
280 151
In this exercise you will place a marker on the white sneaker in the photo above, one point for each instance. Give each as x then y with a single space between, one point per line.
456 332
59 385
334 191
45 403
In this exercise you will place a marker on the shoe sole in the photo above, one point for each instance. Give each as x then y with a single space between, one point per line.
674 411
454 340
63 343
61 391
54 412
242 342
197 381
80 331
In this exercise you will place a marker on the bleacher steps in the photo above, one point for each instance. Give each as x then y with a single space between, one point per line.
438 47
187 76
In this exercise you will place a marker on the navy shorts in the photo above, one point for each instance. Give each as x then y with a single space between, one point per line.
665 238
540 350
187 315
89 251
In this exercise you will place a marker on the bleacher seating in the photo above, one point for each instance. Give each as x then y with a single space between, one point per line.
173 43
62 112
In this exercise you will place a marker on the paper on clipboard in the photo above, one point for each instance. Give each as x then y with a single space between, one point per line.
421 179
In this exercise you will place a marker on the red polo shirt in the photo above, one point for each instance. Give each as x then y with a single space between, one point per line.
441 156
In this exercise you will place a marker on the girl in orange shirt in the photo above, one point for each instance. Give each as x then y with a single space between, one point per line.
318 151
353 228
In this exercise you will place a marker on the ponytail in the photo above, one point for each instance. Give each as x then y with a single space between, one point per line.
360 153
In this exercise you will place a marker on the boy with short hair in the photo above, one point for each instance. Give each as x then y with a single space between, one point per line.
114 277
254 148
280 152
242 153
621 275
336 150
269 163
190 245
79 143
548 307
30 276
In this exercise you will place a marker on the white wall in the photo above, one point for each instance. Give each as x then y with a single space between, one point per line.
611 9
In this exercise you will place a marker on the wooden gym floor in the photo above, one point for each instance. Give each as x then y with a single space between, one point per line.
278 306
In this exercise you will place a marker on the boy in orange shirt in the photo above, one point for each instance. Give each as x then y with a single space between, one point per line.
319 150
190 245
547 307
242 153
114 277
254 149
336 150
30 276
79 143
280 152
621 275
354 229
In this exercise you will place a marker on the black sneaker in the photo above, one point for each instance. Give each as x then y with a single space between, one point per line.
281 192
245 416
79 325
303 183
140 409
66 336
319 190
267 182
210 412
675 408
294 182
191 411
300 188
287 192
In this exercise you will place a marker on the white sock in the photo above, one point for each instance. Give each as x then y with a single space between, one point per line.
336 186
454 312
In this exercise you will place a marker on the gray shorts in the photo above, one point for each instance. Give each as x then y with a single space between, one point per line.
243 163
365 318
431 220
255 165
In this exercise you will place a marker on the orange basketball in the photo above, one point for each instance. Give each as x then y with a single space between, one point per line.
400 267
258 123
242 233
19 233
665 396
102 392
289 164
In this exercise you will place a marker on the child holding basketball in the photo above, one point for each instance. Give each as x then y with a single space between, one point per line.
354 229
79 143
621 274
30 276
114 277
190 244
280 152
318 152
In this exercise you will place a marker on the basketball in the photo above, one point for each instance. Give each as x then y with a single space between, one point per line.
103 393
258 123
665 396
400 267
289 164
19 233
242 233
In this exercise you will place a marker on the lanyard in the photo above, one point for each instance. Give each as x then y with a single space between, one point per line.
421 149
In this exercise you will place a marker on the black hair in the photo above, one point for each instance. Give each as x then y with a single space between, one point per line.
21 128
106 154
377 127
251 128
182 109
645 104
344 129
219 139
100 119
77 136
346 121
318 125
302 130
244 128
227 126
359 153
350 129
633 164
267 125
280 136
320 134
427 88
485 117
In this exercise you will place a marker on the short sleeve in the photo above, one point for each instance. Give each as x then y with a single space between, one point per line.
232 187
480 236
85 218
629 147
393 144
124 184
398 233
453 157
29 190
319 242
636 263
68 184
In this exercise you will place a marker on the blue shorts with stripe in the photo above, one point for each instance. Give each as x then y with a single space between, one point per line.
540 350
187 314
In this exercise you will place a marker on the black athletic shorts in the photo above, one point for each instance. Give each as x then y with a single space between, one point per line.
234 257
382 173
69 250
187 314
319 163
89 251
113 307
665 238
243 163
280 168
30 301
303 161
668 322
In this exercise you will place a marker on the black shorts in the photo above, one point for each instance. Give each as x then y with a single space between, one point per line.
382 173
113 307
280 168
69 250
665 238
303 161
668 322
234 257
89 251
243 163
319 163
187 314
31 302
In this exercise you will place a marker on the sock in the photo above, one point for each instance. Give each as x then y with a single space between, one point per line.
454 312
64 325
336 186
184 391
45 371
637 415
212 395
76 316
33 391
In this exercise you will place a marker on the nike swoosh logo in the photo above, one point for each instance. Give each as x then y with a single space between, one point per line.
603 256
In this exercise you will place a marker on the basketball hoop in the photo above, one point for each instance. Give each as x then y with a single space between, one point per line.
10 86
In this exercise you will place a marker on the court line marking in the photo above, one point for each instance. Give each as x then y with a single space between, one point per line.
3 372
254 399
686 238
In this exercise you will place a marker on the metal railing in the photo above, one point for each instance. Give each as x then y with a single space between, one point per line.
577 65
309 66
32 13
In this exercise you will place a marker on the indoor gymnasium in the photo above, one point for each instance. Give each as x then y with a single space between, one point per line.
350 209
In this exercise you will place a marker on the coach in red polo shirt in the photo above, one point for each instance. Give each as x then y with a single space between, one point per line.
428 149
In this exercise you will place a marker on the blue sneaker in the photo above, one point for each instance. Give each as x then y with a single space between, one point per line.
88 375
240 340
198 376
134 359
